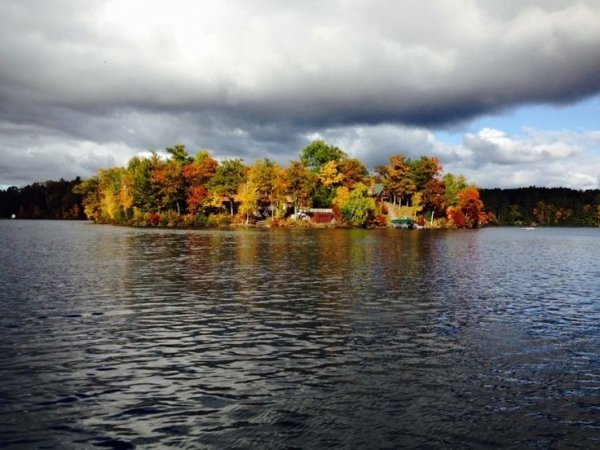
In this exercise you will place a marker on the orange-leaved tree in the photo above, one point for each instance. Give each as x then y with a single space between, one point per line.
470 205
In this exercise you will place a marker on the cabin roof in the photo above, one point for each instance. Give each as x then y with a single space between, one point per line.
378 189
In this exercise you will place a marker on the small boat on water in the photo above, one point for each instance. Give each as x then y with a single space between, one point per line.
528 228
404 223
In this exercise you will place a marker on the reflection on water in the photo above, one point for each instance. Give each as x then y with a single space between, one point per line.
119 338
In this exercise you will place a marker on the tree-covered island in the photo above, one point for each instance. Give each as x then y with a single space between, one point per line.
324 185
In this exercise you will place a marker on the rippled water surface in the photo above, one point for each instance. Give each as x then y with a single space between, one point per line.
120 338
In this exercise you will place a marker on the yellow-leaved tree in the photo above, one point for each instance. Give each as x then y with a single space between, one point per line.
330 174
247 196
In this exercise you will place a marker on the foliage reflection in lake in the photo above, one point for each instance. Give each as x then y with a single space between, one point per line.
121 337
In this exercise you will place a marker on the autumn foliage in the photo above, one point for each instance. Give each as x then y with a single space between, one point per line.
177 189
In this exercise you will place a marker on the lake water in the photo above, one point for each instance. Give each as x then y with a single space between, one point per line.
119 338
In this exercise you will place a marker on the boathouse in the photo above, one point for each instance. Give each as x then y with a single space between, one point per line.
321 215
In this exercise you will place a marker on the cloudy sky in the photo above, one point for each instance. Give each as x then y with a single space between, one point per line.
504 92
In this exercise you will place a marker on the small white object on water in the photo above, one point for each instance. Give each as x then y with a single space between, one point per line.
14 216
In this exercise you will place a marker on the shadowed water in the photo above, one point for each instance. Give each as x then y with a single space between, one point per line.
120 338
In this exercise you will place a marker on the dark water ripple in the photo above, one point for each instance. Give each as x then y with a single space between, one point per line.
121 338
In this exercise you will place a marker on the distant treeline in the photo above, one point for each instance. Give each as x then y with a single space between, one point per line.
517 206
543 206
45 200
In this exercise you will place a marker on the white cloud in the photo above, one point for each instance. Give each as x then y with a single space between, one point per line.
538 157
489 158
496 147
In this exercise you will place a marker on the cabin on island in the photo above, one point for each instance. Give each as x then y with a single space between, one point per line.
321 215
378 191
288 206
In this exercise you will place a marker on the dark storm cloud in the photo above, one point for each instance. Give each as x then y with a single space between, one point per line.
254 79
343 62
